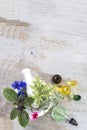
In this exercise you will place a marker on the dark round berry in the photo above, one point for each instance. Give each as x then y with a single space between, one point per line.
56 79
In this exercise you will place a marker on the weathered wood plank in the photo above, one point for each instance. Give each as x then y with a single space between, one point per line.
5 124
54 41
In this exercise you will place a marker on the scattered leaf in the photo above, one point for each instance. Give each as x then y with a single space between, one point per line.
10 94
13 113
23 118
28 101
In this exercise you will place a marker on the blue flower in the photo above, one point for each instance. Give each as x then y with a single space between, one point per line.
21 93
19 85
16 85
23 84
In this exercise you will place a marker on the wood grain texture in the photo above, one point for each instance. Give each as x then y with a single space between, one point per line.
5 124
56 42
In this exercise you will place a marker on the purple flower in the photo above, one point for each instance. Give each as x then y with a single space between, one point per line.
34 115
21 93
16 85
22 84
19 85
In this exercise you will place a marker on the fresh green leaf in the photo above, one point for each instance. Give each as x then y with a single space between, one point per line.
28 101
10 94
58 113
41 91
23 118
13 113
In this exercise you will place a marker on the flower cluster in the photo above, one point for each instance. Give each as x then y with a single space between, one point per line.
19 87
44 97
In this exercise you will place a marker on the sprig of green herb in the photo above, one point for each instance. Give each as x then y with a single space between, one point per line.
42 91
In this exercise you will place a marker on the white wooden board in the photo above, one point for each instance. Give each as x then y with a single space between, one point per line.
54 41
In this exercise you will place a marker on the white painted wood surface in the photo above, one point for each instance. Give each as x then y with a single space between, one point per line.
56 42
